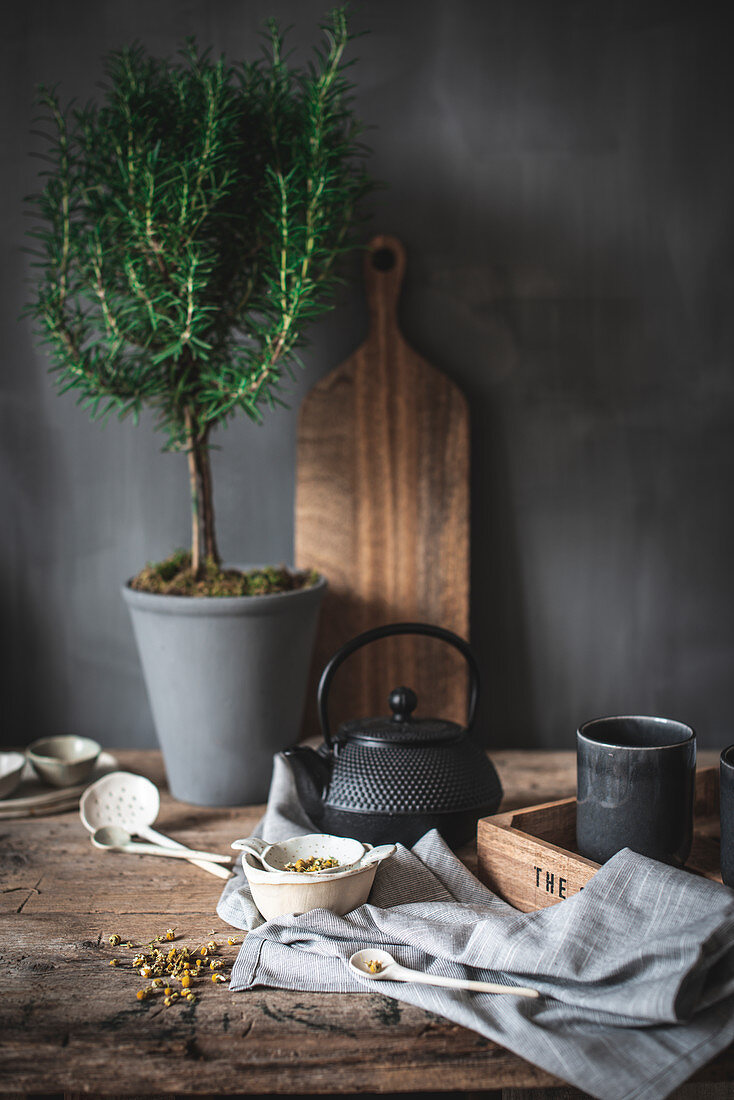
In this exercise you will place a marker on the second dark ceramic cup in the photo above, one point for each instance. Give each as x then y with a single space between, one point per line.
726 776
636 779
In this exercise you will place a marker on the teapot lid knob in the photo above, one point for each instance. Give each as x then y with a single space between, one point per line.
403 702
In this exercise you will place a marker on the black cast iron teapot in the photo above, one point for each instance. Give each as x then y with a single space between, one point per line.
391 779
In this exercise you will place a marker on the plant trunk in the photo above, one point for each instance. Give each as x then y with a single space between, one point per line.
203 538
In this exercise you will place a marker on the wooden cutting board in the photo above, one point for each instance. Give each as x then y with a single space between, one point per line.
382 509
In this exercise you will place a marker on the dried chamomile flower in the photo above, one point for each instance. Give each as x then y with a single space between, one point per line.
165 965
312 863
115 940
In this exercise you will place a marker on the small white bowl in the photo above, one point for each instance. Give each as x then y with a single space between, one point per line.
278 893
65 760
11 769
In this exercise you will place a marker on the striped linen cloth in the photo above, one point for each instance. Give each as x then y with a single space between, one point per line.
636 972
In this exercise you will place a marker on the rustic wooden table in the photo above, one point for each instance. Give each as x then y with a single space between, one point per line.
69 1024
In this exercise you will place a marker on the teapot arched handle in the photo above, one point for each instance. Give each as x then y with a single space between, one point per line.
386 632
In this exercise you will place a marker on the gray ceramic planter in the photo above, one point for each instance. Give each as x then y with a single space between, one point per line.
226 680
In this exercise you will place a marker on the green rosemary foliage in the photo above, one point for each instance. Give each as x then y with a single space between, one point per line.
189 227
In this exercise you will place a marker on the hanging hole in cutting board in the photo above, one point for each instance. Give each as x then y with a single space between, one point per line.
383 259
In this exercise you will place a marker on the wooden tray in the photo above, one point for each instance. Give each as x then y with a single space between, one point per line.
529 858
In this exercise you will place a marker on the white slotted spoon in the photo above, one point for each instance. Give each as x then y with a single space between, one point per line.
132 801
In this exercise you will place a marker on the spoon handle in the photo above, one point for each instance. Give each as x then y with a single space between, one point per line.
376 855
405 974
166 842
252 844
171 853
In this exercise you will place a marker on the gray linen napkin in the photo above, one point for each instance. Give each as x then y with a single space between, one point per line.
636 972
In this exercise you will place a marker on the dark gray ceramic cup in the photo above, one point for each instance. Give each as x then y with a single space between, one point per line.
636 779
726 775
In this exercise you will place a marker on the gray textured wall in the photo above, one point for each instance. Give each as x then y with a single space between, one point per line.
561 174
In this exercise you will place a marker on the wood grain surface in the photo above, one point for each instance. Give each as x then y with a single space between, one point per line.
71 1024
382 509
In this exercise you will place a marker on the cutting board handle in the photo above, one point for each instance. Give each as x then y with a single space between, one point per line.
384 268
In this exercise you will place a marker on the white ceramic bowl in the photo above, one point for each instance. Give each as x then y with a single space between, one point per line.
278 893
11 769
64 760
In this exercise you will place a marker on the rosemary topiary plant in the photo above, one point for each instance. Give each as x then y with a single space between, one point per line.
190 228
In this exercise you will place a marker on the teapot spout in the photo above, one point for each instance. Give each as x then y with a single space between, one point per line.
311 771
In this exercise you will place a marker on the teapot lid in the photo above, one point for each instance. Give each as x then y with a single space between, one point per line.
401 727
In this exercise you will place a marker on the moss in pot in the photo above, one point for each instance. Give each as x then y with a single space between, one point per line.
188 231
